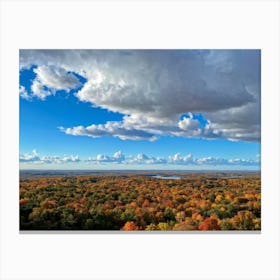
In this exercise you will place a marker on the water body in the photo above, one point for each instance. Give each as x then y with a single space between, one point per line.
166 177
232 177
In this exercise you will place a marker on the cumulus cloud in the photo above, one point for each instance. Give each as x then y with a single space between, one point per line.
162 85
119 158
39 90
35 158
145 128
238 123
23 93
142 159
243 162
115 129
188 123
178 159
190 160
31 157
50 79
56 78
213 161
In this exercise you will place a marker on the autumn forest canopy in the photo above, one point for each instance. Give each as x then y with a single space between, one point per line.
201 201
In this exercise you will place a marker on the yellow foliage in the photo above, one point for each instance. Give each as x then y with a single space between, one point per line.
218 198
214 205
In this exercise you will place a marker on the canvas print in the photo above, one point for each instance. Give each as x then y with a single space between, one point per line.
140 140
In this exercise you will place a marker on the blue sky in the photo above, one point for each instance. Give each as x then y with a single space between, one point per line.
140 109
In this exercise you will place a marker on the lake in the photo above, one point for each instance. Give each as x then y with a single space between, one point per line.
166 177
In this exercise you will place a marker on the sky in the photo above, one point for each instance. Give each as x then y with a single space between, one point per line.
140 109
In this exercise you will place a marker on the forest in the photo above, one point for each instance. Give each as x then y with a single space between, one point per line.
137 202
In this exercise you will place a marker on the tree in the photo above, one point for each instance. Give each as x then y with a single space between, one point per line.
244 220
226 225
130 226
89 224
128 215
209 224
151 227
180 216
169 214
165 226
188 224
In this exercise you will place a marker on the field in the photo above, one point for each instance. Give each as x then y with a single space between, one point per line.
140 201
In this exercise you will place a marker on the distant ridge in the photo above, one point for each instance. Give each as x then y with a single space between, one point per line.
25 174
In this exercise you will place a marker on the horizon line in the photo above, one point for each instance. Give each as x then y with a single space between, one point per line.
158 170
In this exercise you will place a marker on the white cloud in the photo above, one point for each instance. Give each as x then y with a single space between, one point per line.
212 161
38 90
140 159
35 158
31 157
56 78
178 159
115 129
50 79
188 124
70 158
102 158
153 89
117 157
138 127
243 162
23 93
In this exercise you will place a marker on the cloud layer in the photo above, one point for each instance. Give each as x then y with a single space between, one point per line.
153 89
118 158
35 158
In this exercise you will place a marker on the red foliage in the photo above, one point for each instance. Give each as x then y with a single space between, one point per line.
22 201
209 224
138 202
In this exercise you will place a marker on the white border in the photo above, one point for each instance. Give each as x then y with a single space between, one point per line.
155 24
